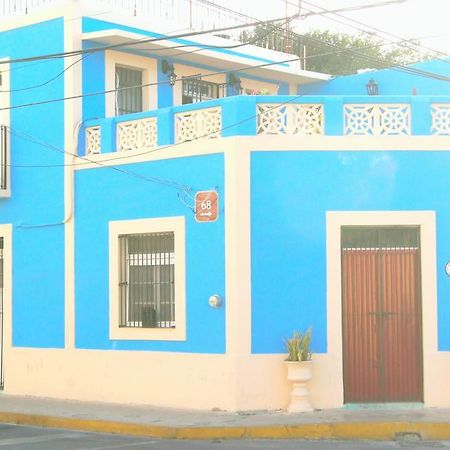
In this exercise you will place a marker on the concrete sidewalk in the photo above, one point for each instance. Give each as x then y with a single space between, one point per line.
362 423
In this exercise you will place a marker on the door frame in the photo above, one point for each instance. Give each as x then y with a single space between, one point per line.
6 234
426 221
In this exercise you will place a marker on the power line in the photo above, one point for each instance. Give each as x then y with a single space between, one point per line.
182 35
110 91
148 152
137 42
203 47
413 45
385 64
340 49
27 137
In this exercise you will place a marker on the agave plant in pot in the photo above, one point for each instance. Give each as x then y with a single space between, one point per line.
299 370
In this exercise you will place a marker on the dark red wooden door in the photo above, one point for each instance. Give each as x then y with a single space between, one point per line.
381 315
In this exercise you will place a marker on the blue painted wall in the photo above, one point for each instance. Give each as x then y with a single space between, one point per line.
37 141
104 195
291 193
390 81
93 82
165 90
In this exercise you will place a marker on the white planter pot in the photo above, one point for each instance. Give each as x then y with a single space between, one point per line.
299 373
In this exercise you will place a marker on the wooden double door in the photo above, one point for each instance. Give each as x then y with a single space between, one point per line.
381 314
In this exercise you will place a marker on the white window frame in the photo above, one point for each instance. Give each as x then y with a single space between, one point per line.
142 226
147 66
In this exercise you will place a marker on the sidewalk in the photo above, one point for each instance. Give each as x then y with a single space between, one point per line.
361 423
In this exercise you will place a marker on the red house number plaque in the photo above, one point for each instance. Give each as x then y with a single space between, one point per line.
206 206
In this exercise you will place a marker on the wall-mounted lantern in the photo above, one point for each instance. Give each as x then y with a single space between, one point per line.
372 87
235 82
169 70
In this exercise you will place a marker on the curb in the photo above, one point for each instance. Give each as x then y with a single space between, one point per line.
384 431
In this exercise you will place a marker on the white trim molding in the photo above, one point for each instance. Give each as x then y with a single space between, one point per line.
155 225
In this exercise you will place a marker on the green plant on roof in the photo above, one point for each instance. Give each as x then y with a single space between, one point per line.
298 346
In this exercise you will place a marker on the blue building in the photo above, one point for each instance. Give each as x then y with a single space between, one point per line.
163 230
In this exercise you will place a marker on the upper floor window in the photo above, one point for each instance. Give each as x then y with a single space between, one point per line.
129 93
197 90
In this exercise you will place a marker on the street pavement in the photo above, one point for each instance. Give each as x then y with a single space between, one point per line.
19 437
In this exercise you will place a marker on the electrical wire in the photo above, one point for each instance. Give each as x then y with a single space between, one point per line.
366 26
148 152
137 42
383 63
178 36
203 47
155 83
29 138
340 49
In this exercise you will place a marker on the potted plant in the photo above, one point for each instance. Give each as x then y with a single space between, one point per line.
299 370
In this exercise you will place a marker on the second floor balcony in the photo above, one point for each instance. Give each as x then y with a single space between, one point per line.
298 116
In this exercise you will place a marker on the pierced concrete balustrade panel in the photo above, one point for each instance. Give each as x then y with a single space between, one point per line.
93 140
440 119
202 123
139 134
299 119
377 120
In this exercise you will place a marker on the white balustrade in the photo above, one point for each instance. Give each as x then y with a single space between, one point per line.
291 119
139 134
93 140
440 119
377 119
202 123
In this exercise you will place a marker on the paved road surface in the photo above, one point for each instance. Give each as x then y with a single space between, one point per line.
16 437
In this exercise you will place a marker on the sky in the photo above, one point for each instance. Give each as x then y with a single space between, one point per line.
426 20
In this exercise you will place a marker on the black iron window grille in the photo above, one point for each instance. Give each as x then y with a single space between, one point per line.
129 90
147 280
197 90
3 158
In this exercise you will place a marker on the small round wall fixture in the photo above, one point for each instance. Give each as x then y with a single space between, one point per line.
215 301
447 268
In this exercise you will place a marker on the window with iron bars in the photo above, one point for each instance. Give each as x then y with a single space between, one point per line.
129 90
147 280
197 90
